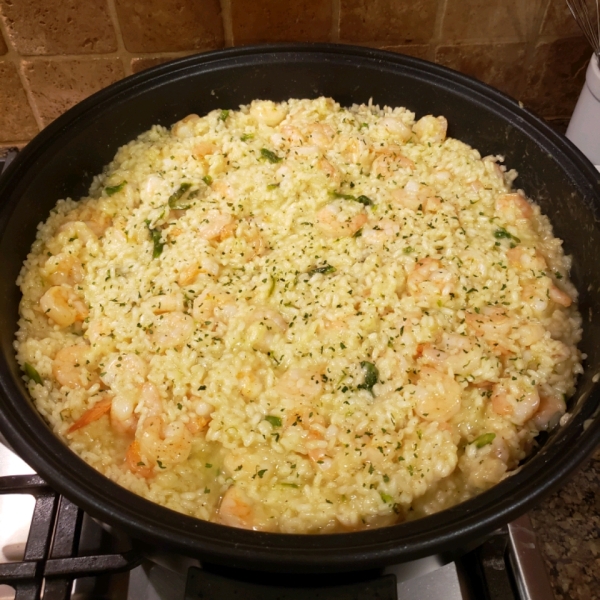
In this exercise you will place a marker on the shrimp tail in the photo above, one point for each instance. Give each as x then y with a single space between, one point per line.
92 414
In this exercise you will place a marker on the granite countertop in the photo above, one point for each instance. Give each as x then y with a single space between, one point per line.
567 525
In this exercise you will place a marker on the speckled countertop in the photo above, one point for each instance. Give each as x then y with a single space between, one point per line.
567 525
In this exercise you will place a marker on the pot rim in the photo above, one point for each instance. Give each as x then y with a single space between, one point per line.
442 532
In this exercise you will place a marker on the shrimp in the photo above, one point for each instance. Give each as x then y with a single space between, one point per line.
235 510
494 326
354 151
386 230
454 351
70 369
164 303
211 305
431 129
334 221
330 172
98 330
172 329
217 225
515 400
558 296
526 259
388 160
437 395
539 293
186 127
163 444
514 207
126 404
95 220
429 276
300 383
203 149
204 411
267 112
189 273
247 244
63 268
264 327
551 406
395 128
320 135
100 408
61 304
251 386
134 462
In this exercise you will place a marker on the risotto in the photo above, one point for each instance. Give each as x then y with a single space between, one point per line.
300 318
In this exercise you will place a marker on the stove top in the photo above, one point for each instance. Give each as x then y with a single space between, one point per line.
51 550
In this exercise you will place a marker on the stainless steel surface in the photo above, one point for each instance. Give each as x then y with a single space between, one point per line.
527 562
587 15
442 584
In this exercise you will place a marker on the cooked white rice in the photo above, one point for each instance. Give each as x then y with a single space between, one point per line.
298 317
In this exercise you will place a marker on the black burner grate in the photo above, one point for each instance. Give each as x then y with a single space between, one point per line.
50 562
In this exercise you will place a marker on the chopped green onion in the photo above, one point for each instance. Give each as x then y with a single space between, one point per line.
272 186
386 498
179 200
502 233
207 179
275 421
110 190
160 464
364 200
290 485
246 137
484 440
371 376
325 269
32 373
224 114
157 241
270 156
262 472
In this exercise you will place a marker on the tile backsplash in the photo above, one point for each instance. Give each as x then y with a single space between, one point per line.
54 53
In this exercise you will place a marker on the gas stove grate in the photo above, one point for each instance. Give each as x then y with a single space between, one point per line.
50 561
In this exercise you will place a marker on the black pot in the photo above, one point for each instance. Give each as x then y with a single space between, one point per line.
62 159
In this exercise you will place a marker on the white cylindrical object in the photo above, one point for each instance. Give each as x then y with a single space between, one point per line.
584 128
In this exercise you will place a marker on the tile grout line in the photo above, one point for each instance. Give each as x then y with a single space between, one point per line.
17 60
531 46
121 52
227 21
434 42
336 19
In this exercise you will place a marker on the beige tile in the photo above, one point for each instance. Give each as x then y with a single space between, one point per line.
170 25
495 64
16 119
57 85
558 20
277 21
556 76
3 48
387 21
491 20
418 51
59 26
